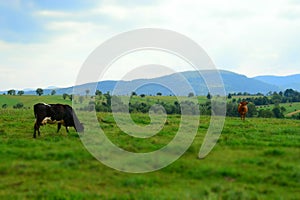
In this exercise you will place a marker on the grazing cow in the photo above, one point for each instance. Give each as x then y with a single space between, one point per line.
55 113
243 109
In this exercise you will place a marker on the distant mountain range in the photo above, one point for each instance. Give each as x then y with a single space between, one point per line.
233 83
283 82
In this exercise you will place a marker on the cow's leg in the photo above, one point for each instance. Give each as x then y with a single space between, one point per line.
36 128
39 133
67 129
58 127
34 132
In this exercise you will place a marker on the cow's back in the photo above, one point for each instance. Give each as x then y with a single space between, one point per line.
65 113
58 111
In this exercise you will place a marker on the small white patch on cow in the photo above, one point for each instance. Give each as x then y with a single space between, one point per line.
46 104
48 120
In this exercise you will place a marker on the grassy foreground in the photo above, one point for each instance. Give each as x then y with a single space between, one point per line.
255 159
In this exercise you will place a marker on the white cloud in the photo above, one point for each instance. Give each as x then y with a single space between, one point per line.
52 14
113 11
248 37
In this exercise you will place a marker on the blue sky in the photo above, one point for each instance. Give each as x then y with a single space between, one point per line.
45 42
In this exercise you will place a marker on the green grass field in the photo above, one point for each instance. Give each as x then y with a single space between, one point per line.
290 108
167 99
255 159
30 100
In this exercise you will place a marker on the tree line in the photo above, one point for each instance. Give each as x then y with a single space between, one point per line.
272 98
288 96
38 91
103 103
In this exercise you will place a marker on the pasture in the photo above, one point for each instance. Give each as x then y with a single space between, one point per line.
255 159
30 100
290 108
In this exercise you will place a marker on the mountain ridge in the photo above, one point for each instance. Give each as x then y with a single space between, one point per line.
283 82
233 83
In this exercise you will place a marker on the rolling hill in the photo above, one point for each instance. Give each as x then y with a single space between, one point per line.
283 82
176 84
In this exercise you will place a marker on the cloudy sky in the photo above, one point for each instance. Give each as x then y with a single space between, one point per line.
45 42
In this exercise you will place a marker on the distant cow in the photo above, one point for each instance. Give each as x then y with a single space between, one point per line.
243 109
55 113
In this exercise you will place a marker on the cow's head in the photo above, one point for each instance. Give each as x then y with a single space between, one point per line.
79 127
244 103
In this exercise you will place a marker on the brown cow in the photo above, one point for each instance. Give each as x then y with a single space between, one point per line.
243 109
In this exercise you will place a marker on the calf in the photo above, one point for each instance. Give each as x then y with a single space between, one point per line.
55 113
243 109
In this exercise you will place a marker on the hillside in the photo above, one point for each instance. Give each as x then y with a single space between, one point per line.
233 82
283 82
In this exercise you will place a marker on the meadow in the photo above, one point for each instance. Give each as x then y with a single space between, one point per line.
255 159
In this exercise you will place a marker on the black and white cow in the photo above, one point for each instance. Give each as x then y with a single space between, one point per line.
55 113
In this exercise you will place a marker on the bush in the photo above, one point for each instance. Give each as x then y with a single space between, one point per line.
296 116
265 113
18 106
277 112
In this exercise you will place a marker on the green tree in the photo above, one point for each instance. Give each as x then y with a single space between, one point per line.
39 91
20 92
277 112
208 96
98 93
87 92
18 106
232 109
276 98
252 111
191 94
108 99
289 93
265 113
283 109
158 94
65 95
11 92
229 96
53 92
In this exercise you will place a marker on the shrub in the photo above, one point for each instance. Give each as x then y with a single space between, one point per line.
18 106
